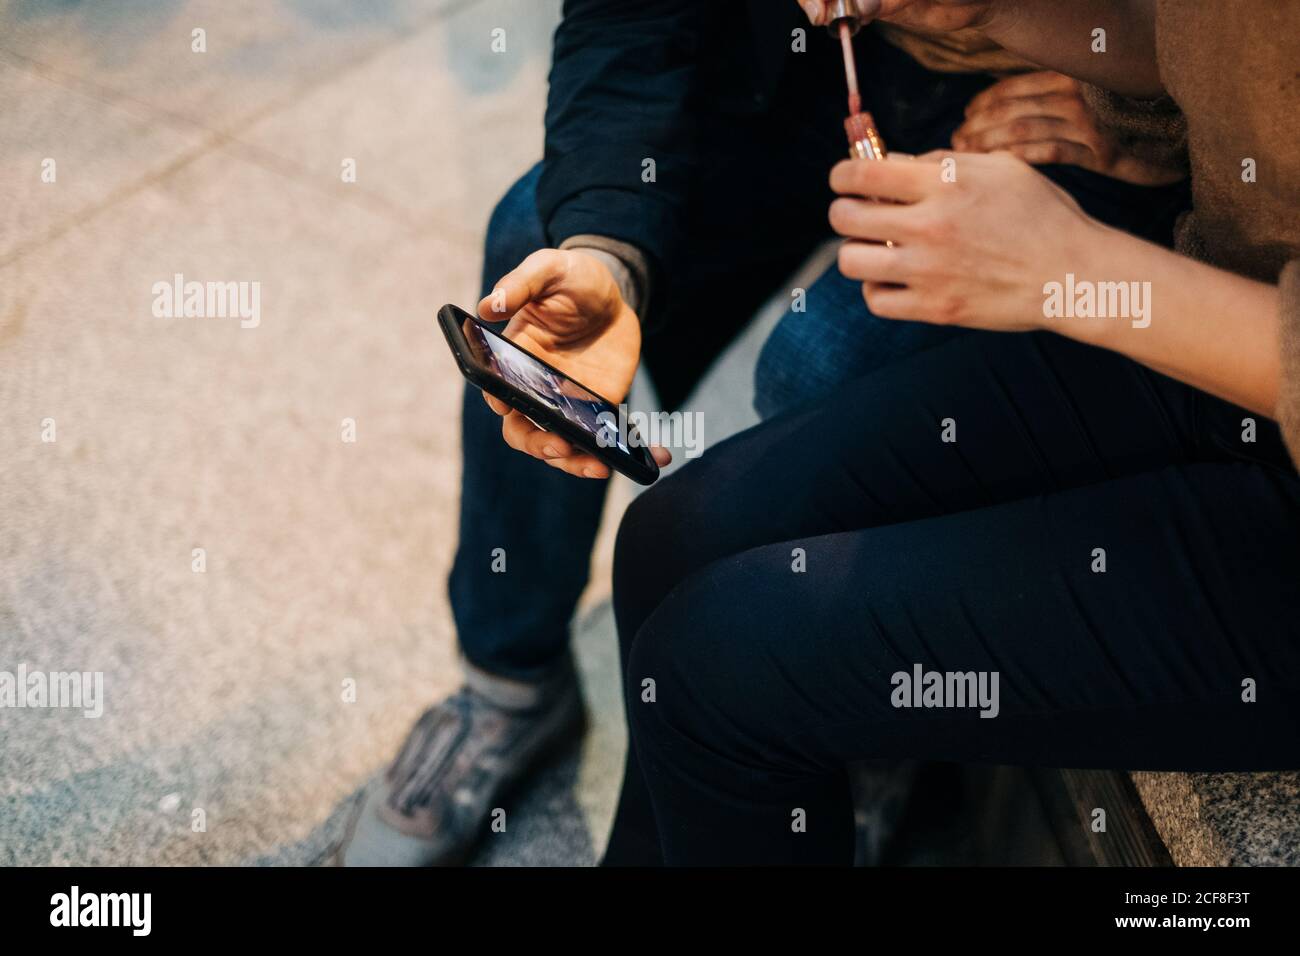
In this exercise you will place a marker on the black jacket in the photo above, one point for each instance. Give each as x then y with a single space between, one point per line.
630 81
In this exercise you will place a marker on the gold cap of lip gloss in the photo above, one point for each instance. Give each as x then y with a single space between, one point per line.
864 141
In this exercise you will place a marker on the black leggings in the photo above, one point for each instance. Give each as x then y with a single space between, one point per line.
1098 537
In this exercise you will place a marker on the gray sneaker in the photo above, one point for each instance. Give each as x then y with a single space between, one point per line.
462 757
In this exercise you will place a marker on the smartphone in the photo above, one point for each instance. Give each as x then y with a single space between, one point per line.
550 399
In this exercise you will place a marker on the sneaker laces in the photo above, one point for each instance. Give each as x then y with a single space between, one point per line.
466 728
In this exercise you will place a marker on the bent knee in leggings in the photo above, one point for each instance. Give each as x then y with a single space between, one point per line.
701 512
670 666
712 662
655 547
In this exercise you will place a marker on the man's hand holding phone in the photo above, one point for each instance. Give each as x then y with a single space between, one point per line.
566 308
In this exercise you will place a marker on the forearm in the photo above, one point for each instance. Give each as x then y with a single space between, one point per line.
1058 34
618 118
1211 329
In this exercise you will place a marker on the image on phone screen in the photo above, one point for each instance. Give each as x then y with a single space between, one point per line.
587 410
550 399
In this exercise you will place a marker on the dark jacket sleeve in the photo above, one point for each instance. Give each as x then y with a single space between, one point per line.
623 77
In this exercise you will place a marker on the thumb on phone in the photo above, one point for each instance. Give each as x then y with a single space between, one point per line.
521 285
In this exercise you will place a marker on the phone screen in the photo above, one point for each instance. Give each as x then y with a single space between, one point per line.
593 414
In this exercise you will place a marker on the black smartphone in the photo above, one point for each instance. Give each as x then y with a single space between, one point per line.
550 399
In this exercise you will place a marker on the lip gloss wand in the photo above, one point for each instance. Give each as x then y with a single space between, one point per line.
850 66
860 127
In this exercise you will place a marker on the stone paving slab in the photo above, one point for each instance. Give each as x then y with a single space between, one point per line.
325 560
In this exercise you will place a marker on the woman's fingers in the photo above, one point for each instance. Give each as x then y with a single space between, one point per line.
872 262
1039 127
814 10
889 301
867 219
1054 152
1031 129
1062 106
1020 85
818 11
908 180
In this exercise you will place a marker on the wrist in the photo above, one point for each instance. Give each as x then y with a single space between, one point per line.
626 264
1092 295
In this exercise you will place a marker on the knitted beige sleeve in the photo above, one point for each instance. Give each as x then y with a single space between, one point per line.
1151 130
1288 401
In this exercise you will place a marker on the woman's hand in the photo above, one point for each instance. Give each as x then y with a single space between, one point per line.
975 237
978 237
1046 32
1042 118
935 16
565 308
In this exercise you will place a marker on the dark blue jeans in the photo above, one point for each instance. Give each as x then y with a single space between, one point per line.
515 623
832 341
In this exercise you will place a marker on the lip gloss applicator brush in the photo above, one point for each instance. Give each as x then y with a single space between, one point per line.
850 65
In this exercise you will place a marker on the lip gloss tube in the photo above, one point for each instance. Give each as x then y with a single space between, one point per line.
864 141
